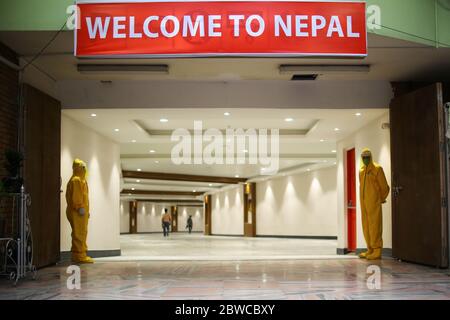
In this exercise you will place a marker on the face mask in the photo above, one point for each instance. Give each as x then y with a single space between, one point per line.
366 161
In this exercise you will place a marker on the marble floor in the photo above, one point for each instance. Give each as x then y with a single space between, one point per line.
196 246
257 280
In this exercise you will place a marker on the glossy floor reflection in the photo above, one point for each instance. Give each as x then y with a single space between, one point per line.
295 279
196 246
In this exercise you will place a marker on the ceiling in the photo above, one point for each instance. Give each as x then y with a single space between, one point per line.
254 92
307 140
390 59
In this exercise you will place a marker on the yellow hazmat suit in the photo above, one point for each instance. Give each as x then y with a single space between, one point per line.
77 197
373 191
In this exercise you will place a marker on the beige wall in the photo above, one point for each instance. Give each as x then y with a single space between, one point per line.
377 139
149 216
197 218
298 205
103 160
227 214
124 216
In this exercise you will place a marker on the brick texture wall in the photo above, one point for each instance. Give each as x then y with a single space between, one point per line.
9 114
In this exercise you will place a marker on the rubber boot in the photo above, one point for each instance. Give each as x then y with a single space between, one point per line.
375 255
83 260
363 255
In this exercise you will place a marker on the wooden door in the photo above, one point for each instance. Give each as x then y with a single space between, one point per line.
133 217
42 173
174 213
351 201
208 204
419 194
250 209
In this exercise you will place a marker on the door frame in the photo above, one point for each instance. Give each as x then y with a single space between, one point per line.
404 89
346 173
446 102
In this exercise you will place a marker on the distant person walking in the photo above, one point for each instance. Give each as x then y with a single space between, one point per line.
166 222
189 224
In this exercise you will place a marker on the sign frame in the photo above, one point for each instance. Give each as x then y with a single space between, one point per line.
223 55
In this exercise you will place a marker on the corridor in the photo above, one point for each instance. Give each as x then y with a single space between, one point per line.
196 246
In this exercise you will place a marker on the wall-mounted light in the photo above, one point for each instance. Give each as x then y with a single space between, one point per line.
127 68
322 69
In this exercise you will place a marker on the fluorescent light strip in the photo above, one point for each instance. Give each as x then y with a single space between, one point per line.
93 68
322 69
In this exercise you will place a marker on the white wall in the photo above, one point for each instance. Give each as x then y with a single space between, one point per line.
227 211
197 218
377 140
324 94
298 205
124 216
103 161
149 216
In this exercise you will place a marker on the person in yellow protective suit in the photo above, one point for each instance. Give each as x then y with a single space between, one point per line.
373 191
77 197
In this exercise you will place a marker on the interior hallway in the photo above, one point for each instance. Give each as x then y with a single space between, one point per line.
258 280
196 246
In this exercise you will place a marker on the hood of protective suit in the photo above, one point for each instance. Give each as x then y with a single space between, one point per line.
79 169
366 153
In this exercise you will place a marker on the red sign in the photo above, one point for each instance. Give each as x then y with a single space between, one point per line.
221 28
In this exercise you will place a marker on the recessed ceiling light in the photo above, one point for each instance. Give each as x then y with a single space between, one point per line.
333 151
194 190
308 169
132 189
226 114
93 115
138 181
236 176
288 119
156 161
358 114
152 151
134 141
139 169
210 184
336 129
116 130
322 140
163 120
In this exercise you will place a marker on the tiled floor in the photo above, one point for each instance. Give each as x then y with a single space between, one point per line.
294 279
232 268
195 246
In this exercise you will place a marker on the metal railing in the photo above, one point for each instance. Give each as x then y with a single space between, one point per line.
16 249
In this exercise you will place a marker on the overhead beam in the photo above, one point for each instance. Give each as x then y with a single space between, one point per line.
281 132
286 156
162 192
180 177
170 201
